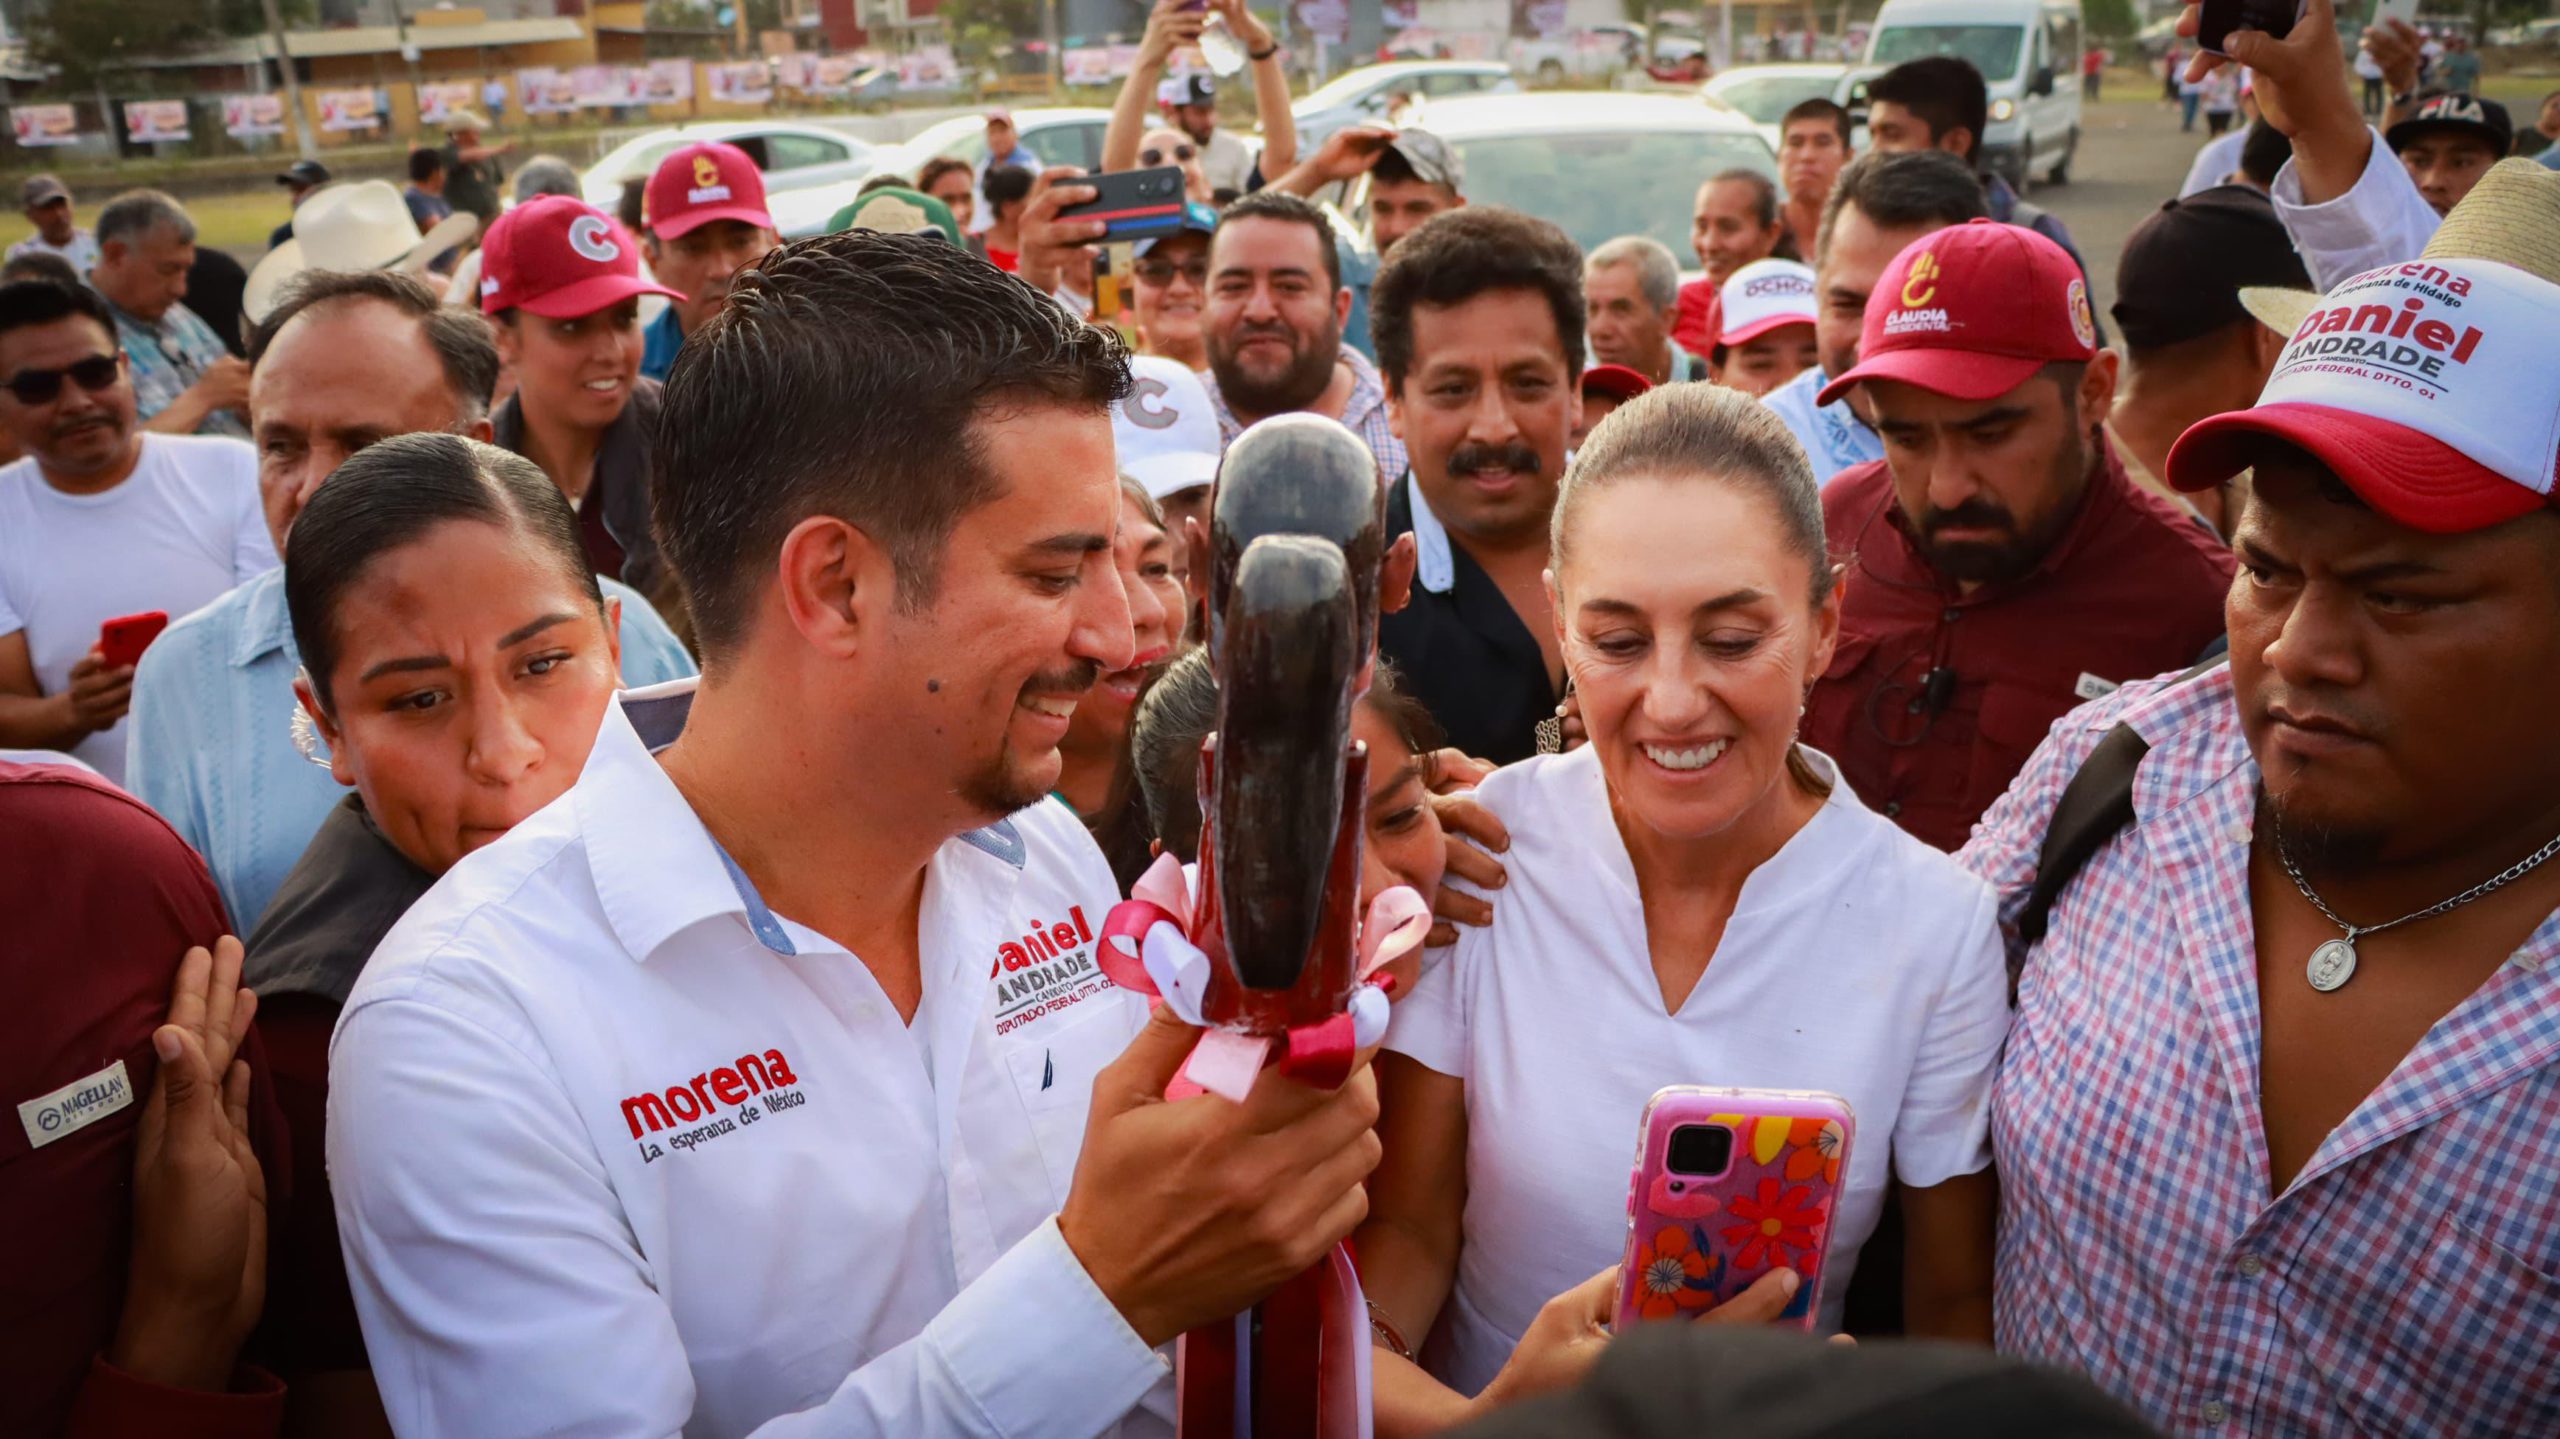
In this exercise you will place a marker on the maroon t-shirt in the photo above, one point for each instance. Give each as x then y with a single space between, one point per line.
102 901
2134 588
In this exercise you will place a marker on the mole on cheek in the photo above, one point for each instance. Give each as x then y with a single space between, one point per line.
933 687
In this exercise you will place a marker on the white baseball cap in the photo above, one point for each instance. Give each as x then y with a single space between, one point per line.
2429 388
1166 431
1764 295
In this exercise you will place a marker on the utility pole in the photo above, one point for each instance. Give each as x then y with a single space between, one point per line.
1049 33
302 138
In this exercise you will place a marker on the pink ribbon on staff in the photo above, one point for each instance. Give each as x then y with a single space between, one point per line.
1147 947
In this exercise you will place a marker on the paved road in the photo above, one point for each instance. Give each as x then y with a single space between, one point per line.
2132 157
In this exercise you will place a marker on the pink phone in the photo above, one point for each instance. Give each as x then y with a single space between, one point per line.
1728 1185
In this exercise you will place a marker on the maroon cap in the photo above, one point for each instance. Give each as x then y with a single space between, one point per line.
1616 381
559 257
702 183
1971 312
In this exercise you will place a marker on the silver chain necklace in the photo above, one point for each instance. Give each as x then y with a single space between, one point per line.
2334 963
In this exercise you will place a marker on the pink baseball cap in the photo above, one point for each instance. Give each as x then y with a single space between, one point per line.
705 182
559 257
1972 311
2428 388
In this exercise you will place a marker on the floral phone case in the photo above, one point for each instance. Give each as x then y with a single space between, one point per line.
1699 1234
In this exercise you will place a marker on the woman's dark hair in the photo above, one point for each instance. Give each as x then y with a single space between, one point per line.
391 494
1005 184
937 167
1457 255
1181 708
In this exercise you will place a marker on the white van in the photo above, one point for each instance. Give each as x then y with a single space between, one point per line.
2029 54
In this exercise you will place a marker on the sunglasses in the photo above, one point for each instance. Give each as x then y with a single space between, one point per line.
1182 155
1161 272
40 387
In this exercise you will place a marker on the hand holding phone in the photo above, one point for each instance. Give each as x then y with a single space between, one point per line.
1133 204
2218 20
121 641
1730 1187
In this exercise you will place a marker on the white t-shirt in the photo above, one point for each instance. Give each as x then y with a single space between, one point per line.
1858 960
183 528
82 252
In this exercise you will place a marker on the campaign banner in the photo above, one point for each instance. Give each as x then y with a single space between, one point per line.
246 115
546 91
349 110
41 125
928 67
660 82
832 74
1085 65
599 87
749 82
1401 15
152 122
1327 20
439 99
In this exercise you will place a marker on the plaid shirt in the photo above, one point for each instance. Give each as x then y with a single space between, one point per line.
1365 413
164 359
2406 1282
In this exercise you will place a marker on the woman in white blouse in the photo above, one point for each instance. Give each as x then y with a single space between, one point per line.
1692 898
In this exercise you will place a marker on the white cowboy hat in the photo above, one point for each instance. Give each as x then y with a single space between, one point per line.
359 226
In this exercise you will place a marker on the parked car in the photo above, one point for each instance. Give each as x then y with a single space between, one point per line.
792 156
1059 135
1601 164
1765 93
1370 94
2028 52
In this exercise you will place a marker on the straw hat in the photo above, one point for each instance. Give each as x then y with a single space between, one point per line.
360 226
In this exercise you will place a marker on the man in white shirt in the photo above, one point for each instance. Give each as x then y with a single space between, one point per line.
99 521
46 201
745 1088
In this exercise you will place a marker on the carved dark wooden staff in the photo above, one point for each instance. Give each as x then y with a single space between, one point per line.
1296 535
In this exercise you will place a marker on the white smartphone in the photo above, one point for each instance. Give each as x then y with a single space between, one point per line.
2404 11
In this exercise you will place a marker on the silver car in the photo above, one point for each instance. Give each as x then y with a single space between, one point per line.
1369 95
793 156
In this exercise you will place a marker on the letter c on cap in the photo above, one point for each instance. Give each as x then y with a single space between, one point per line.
592 236
1145 408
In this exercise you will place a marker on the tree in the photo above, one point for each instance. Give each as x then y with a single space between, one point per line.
2111 19
87 39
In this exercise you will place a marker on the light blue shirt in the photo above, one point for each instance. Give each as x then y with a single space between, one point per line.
1833 438
211 738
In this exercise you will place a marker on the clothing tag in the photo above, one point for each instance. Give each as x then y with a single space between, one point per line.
76 1105
2091 687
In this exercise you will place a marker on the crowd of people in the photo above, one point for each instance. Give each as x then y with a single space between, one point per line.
585 918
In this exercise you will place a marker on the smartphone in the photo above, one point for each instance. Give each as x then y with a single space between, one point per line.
1729 1184
122 641
2404 11
1133 204
2217 19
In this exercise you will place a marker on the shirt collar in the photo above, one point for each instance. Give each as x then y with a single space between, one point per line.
265 625
657 870
1435 569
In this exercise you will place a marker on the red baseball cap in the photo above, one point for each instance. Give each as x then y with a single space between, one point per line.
1616 381
560 258
704 182
1970 312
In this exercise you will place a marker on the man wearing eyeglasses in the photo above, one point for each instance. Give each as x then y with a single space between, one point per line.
2000 567
100 521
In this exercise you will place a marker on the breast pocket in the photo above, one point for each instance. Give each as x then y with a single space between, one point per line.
2015 719
1053 1068
2472 1342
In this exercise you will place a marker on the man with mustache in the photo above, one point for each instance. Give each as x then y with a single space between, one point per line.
707 221
2001 568
1276 310
1479 319
770 1071
100 521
